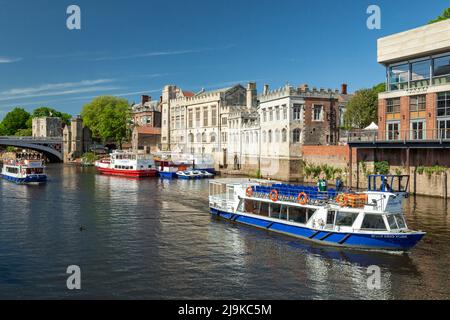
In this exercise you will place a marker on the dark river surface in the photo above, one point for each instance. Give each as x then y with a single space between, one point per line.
153 239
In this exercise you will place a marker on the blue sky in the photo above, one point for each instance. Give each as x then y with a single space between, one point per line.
128 48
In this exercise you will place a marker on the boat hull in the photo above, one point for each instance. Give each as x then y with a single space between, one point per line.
394 242
128 173
167 175
26 180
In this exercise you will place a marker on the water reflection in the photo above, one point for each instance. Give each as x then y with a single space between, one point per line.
155 239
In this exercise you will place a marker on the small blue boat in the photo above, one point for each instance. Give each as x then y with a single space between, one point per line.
22 168
367 220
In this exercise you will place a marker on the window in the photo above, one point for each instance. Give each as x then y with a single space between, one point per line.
275 210
212 137
277 113
296 134
224 121
391 221
400 221
197 117
269 136
346 219
317 113
297 111
373 222
264 137
420 73
418 129
199 137
393 130
213 116
417 103
393 105
264 116
443 104
284 112
205 116
191 137
441 70
297 214
203 137
277 136
284 135
399 76
190 119
444 128
270 114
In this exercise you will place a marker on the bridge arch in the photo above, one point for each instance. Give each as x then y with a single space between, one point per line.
51 153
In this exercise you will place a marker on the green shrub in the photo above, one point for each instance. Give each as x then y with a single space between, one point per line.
381 167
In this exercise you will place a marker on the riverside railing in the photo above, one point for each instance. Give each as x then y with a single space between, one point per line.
425 135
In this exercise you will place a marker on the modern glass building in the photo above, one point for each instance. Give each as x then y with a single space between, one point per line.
416 104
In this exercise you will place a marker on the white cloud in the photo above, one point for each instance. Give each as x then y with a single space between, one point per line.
9 59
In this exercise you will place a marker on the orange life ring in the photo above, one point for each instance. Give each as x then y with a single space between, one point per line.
249 192
273 195
302 198
341 199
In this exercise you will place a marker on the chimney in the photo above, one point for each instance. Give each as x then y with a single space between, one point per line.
266 89
145 99
344 88
251 95
303 87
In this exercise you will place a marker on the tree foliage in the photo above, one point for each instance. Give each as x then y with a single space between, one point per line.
14 121
50 112
444 16
361 109
107 117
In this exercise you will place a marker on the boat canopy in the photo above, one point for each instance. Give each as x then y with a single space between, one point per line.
388 183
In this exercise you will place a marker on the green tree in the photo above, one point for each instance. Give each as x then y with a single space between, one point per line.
50 112
379 88
107 117
14 120
362 109
24 132
444 16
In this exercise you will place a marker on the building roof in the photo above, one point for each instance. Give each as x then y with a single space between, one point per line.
415 43
188 93
148 130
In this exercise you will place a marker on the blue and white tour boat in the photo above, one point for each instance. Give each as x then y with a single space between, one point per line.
369 220
23 168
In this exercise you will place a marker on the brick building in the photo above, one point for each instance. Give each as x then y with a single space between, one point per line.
146 129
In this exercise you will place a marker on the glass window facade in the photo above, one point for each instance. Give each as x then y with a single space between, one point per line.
398 76
420 73
443 104
441 70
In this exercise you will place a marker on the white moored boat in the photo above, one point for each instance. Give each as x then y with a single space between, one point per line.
23 168
371 219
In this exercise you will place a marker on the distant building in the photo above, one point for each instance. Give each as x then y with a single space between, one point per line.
146 128
45 127
77 139
198 123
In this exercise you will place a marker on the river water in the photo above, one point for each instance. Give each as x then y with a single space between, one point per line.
153 239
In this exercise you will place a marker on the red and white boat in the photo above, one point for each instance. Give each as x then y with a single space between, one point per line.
127 164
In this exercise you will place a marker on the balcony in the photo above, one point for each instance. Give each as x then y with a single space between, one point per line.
427 138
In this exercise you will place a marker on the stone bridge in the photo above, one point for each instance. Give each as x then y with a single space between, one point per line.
50 147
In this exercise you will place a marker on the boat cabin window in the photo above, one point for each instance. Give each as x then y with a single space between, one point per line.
400 221
391 221
396 221
12 170
275 210
298 214
373 222
330 218
346 219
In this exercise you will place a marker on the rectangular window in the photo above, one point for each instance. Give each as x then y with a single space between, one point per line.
399 76
197 117
297 111
393 130
205 116
285 113
443 104
393 105
317 113
418 130
270 114
213 116
190 118
264 115
298 214
277 113
417 103
224 121
441 70
346 219
420 73
373 222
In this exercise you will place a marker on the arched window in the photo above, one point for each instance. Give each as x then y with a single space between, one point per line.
296 135
284 135
203 137
277 136
191 137
264 137
212 137
269 136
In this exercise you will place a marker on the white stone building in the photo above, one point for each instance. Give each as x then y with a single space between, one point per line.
45 127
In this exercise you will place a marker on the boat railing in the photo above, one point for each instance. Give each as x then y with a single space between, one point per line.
291 193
